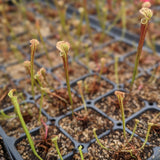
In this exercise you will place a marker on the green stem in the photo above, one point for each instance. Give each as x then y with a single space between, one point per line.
87 55
33 49
54 140
101 17
86 17
123 116
115 21
17 109
65 63
134 129
95 135
5 116
123 4
80 25
116 70
144 28
62 15
81 93
80 151
84 103
147 135
41 104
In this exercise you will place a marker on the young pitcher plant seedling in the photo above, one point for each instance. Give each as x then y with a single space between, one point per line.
39 77
64 47
54 140
80 151
103 62
116 59
42 41
120 95
34 44
147 15
17 109
80 87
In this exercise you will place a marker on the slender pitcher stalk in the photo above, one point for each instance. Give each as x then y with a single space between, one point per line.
34 44
147 15
64 47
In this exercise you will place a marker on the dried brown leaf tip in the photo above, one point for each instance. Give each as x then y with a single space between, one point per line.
119 94
34 42
63 47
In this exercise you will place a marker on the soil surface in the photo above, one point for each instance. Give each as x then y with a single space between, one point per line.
125 72
146 87
12 125
147 60
93 59
75 71
58 103
5 101
145 118
93 87
110 106
116 142
81 127
45 147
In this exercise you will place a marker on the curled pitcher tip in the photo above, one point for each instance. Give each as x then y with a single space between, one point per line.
34 42
63 47
119 93
147 14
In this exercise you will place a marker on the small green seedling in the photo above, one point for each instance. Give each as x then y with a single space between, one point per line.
86 17
151 41
134 129
64 47
80 86
3 115
27 65
79 28
17 109
155 75
120 95
116 59
21 7
123 6
147 15
34 44
42 41
102 16
98 141
39 77
54 140
62 14
103 62
147 135
80 151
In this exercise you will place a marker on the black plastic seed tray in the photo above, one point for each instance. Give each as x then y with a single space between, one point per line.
11 142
